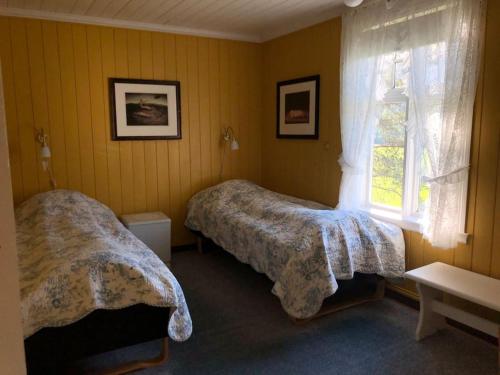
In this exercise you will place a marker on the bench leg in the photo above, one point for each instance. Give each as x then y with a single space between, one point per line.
428 322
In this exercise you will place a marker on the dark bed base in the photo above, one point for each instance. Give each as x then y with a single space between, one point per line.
362 288
50 350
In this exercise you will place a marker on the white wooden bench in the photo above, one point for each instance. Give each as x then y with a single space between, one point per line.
438 278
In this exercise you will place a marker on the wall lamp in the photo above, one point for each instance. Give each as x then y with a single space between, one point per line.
45 155
227 137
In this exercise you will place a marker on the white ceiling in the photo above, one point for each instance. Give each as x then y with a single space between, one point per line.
252 20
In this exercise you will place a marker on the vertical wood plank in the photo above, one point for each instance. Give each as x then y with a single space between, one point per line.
70 118
256 114
125 147
184 143
170 51
112 147
84 109
150 165
225 114
204 111
495 252
194 114
55 106
97 114
24 107
242 111
161 146
138 157
38 90
408 259
215 120
416 249
233 156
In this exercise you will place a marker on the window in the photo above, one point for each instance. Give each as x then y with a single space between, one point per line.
396 187
409 76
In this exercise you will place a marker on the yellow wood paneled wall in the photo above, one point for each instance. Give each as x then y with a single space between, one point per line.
305 168
56 78
309 169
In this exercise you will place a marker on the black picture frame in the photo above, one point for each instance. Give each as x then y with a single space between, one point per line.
114 107
311 126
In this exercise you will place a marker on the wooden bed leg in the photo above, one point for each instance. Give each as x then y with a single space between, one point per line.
380 292
199 244
138 365
325 310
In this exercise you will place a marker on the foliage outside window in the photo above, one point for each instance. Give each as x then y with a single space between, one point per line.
397 164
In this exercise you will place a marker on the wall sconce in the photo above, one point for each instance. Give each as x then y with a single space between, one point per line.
45 155
228 137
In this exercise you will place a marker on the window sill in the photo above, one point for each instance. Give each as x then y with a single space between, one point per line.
409 223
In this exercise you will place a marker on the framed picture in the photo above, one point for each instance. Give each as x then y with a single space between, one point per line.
298 108
144 109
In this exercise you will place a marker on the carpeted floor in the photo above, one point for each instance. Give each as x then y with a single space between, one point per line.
240 328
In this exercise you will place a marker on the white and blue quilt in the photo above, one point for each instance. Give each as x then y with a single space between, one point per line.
76 257
304 247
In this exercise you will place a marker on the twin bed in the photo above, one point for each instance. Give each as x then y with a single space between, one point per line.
304 247
83 274
88 285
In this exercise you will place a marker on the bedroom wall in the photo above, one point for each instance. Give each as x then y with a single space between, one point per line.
11 329
309 169
56 78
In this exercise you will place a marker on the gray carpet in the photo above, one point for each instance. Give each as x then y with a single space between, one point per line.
240 328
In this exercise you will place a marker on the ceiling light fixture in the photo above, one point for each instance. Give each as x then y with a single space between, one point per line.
352 3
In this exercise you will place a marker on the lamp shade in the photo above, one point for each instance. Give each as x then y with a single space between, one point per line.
45 152
235 145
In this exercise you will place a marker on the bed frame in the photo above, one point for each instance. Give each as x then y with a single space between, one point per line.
361 289
51 350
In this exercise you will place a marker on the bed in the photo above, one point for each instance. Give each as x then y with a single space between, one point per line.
304 247
88 285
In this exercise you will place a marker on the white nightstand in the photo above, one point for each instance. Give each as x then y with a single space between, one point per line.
152 228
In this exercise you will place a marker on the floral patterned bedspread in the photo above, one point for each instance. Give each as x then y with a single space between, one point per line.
301 245
76 257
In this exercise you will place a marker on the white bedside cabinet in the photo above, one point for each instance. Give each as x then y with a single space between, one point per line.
152 228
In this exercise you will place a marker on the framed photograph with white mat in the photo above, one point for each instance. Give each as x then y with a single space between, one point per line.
144 109
298 108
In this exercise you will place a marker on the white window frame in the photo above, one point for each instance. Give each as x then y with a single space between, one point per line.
407 217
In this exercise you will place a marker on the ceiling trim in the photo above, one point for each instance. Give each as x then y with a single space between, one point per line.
113 22
88 20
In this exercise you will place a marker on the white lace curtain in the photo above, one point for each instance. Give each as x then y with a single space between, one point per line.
444 39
